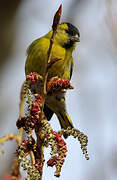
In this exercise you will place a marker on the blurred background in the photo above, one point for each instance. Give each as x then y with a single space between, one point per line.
92 105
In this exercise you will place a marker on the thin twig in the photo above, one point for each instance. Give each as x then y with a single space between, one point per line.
8 137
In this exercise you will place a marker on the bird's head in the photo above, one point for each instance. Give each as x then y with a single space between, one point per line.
67 35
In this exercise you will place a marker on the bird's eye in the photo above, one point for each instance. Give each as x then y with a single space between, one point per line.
70 32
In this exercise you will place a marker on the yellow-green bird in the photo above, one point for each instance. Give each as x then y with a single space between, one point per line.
64 43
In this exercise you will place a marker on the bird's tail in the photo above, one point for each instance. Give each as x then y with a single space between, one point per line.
65 121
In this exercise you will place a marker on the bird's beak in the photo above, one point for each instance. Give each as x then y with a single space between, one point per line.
75 39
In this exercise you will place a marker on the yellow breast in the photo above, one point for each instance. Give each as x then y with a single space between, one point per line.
37 58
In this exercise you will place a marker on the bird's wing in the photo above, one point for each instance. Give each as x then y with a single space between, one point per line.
30 48
36 56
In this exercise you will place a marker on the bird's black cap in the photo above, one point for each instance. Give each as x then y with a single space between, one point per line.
72 30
